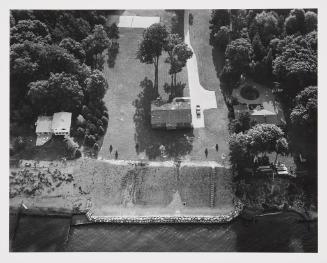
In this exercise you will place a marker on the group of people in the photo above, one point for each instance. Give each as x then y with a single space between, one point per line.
137 150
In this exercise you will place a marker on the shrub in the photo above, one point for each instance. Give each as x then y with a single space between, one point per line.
95 147
101 130
78 153
104 121
92 128
19 144
105 113
80 132
99 123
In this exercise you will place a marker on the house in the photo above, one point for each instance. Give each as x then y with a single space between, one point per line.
171 116
259 101
61 123
46 126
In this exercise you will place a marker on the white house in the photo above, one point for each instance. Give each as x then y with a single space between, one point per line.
46 126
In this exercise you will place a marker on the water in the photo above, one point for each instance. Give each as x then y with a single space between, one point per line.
279 233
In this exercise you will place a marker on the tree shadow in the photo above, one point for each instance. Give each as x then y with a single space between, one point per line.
174 91
113 51
177 22
177 143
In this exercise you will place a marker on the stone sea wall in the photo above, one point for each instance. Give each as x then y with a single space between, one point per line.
168 219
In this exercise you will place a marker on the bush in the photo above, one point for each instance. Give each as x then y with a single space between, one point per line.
95 147
19 144
101 130
99 123
112 53
105 113
78 153
104 121
80 132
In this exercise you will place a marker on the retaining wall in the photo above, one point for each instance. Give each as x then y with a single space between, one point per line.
167 219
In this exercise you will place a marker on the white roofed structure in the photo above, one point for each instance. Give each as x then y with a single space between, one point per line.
61 122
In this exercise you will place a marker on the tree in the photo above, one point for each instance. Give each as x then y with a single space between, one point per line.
96 87
69 25
239 154
263 138
151 48
221 38
281 148
267 26
295 22
94 44
239 52
258 48
304 114
219 18
310 21
229 75
112 31
74 48
178 54
241 124
29 30
61 92
295 64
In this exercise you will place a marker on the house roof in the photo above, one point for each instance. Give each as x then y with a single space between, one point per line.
171 113
61 121
43 124
262 112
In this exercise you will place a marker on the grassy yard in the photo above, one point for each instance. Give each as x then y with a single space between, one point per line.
129 96
216 120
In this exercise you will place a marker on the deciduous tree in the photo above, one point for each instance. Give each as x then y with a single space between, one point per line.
151 48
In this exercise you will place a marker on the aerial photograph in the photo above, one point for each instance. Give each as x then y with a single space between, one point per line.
163 130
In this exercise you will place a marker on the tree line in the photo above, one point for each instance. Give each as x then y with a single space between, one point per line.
56 62
156 40
271 46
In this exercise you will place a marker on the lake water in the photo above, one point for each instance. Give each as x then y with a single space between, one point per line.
279 233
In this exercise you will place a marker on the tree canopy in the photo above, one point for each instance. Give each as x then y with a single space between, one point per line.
151 47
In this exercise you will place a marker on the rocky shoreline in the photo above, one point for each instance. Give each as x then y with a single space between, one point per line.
167 219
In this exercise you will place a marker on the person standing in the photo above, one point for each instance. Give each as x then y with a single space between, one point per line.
110 148
217 147
116 155
206 152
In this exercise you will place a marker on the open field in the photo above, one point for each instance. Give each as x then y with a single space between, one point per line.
129 96
122 188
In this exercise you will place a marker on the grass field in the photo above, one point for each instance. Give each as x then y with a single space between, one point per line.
129 96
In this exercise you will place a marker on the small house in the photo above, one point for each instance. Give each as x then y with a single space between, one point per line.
171 116
46 126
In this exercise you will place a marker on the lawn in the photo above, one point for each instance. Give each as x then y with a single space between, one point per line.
216 120
129 96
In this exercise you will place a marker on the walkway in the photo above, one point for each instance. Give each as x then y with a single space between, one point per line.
199 96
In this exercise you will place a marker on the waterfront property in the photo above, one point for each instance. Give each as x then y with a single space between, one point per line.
259 101
46 126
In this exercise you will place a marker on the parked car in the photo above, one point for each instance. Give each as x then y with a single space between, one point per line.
198 111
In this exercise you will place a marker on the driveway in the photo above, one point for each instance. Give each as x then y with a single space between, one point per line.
199 96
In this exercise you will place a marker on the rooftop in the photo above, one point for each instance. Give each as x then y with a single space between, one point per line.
61 121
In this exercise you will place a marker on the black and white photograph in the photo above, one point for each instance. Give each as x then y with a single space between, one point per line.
162 129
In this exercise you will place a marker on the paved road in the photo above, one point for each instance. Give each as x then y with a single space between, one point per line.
199 96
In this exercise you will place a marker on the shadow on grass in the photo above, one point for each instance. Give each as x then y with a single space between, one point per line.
177 143
177 22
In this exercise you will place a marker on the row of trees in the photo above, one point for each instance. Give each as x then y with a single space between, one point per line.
273 46
278 45
156 40
258 140
56 58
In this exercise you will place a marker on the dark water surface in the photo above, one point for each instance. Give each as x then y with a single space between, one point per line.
279 233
